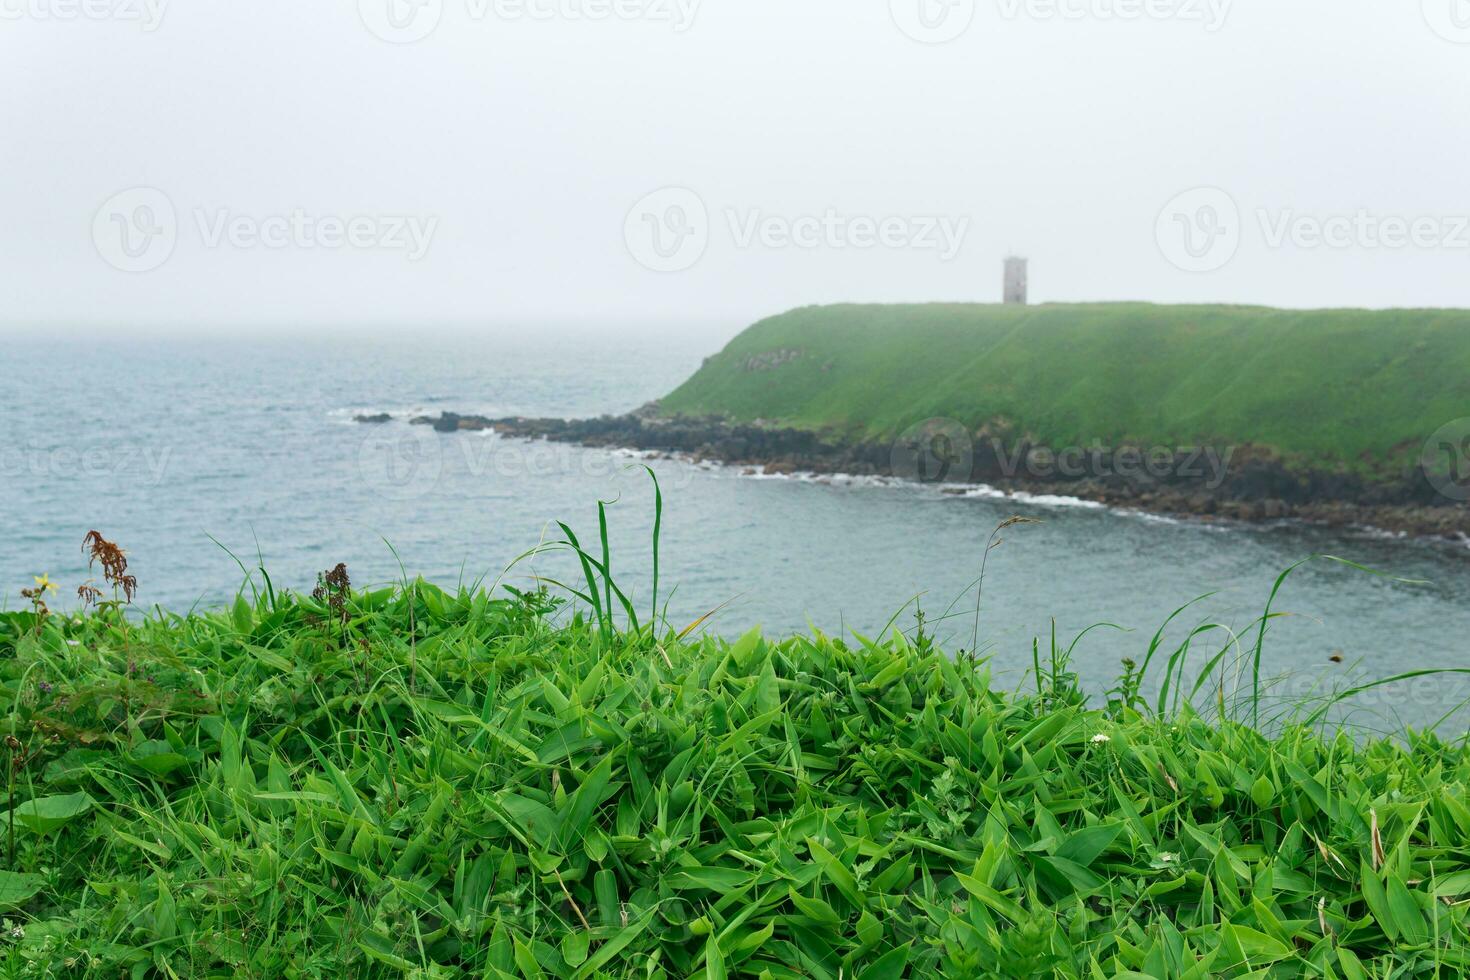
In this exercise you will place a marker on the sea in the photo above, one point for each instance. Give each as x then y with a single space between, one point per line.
209 456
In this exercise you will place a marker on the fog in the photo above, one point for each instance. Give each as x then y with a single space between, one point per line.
215 167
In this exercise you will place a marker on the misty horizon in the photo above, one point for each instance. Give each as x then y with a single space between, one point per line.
330 168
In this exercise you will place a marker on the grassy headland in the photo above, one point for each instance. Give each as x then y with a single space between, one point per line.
1346 418
1351 388
408 782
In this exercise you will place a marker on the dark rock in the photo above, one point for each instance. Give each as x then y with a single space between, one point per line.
1202 504
447 422
1256 485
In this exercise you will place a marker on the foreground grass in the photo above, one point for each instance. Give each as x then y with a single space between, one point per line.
418 783
1117 373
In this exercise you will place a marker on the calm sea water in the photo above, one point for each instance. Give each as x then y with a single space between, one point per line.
165 445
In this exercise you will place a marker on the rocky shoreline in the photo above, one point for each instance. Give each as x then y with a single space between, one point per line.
1240 484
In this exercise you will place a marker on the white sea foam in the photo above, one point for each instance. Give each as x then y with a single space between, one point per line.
1151 518
1039 499
1380 534
818 479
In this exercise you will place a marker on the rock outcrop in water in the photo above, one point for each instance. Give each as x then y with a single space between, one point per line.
1245 484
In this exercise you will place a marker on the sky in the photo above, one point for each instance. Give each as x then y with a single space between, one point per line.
211 166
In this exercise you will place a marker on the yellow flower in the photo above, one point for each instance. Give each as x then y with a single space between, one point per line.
44 584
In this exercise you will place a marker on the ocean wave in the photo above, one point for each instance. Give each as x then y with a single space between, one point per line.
852 480
861 481
984 492
871 481
1144 515
1381 534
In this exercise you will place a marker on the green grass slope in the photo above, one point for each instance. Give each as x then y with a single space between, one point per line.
422 784
1358 387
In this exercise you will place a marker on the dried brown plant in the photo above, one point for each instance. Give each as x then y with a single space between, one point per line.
333 587
89 594
37 598
113 561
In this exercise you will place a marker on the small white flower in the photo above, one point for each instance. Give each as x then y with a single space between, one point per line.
1100 739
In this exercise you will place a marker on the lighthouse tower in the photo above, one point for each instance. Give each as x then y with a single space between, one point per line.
1016 281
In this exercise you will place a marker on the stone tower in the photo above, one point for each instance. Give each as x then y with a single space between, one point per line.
1017 281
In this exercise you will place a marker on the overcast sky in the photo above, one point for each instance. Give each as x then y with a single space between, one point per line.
213 165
